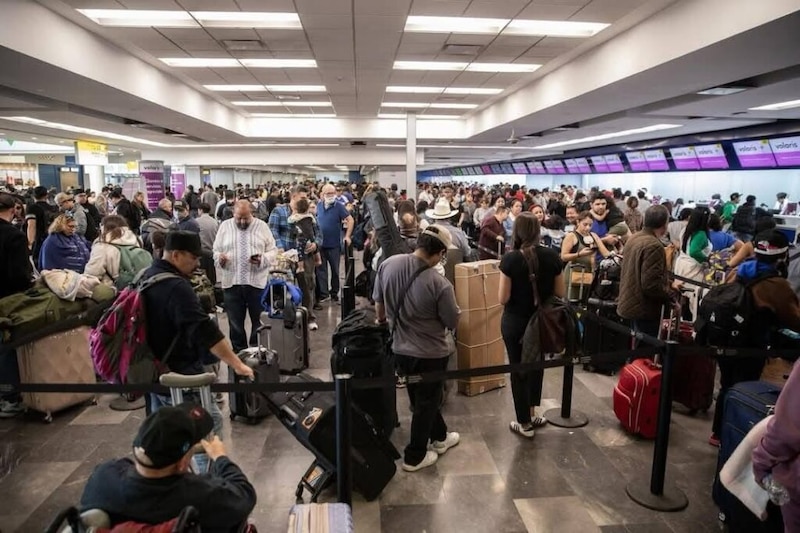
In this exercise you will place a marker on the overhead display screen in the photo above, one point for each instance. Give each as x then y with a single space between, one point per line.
656 160
786 151
536 167
507 168
685 158
555 167
583 165
486 169
476 171
599 163
712 157
755 154
497 169
572 166
637 161
519 168
614 163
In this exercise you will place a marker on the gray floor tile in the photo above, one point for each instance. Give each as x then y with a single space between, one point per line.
564 514
101 413
415 488
471 457
30 484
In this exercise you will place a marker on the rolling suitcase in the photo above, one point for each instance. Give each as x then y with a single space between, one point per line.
253 406
745 405
694 371
288 335
636 397
58 358
321 518
597 339
360 348
311 418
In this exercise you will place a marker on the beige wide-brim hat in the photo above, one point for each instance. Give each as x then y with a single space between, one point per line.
441 210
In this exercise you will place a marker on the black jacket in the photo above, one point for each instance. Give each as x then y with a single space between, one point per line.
15 267
172 308
125 209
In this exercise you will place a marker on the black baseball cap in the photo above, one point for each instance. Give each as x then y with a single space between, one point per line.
180 205
168 434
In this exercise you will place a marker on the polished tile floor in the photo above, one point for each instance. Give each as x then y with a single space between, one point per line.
563 481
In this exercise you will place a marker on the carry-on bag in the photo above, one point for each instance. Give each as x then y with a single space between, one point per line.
694 370
598 339
361 348
311 418
321 518
59 358
288 333
264 362
745 405
386 231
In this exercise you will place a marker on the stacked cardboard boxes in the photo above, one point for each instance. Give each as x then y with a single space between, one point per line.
479 341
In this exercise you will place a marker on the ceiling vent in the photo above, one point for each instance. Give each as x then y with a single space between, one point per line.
358 143
243 44
462 49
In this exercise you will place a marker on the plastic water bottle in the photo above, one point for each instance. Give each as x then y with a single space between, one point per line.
777 492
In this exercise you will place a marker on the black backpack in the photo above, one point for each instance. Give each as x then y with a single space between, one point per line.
726 315
744 221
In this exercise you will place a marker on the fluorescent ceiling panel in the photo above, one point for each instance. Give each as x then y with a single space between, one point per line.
293 115
279 63
442 90
200 62
265 144
505 147
426 116
79 129
470 67
491 26
282 103
236 88
271 88
780 106
722 91
612 135
140 18
423 105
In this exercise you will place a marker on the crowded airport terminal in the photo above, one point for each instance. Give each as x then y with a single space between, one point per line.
399 266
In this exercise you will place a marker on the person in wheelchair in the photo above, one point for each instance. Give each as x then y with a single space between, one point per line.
156 485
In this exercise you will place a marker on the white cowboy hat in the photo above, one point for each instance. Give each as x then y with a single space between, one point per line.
442 210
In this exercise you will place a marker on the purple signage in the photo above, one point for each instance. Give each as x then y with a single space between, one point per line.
685 158
614 163
558 165
656 160
754 154
550 167
177 181
572 166
600 164
711 157
152 173
637 161
536 167
583 165
520 168
787 151
486 169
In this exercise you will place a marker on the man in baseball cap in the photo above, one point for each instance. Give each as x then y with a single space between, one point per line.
157 485
185 220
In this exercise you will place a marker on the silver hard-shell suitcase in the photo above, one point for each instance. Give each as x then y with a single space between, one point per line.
291 344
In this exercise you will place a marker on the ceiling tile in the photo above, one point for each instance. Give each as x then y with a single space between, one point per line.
439 78
298 76
398 8
495 9
181 33
146 38
406 77
199 45
474 79
551 12
326 22
377 23
324 7
280 6
455 38
93 4
204 75
270 76
432 39
446 8
607 10
209 5
149 4
502 53
237 76
224 34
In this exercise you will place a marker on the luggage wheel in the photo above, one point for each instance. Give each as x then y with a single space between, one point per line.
48 418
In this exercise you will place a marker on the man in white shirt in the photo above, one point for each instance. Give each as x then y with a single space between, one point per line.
244 250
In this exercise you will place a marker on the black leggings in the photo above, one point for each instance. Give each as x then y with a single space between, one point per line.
526 387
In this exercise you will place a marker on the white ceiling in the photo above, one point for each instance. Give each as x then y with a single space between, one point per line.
355 43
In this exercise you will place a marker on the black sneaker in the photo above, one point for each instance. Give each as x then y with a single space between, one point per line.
318 307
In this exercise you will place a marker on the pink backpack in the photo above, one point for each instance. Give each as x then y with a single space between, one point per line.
118 343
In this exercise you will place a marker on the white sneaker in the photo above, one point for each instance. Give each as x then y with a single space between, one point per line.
11 409
313 326
452 439
430 458
525 431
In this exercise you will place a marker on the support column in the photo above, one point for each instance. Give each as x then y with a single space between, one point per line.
411 155
96 177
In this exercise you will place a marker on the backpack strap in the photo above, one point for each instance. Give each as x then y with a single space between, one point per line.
399 307
142 285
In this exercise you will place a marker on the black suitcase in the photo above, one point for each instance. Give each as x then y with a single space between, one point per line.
599 340
745 405
253 406
360 348
311 418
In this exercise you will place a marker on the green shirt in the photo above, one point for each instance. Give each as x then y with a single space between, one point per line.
697 246
728 210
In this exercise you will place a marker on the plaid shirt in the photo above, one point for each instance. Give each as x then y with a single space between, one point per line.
285 238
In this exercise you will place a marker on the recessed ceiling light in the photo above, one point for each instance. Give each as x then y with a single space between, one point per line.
136 18
780 106
442 90
491 26
293 115
282 103
612 135
236 88
200 62
279 63
472 90
425 116
723 90
79 129
34 138
471 67
244 19
297 88
423 105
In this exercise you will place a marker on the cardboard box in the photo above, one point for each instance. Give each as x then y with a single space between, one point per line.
479 327
477 284
490 354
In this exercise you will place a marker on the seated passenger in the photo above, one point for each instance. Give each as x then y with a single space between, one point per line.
156 484
64 248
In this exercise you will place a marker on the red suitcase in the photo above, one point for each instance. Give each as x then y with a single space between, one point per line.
636 397
694 371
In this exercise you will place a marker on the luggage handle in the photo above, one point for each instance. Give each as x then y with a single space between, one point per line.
288 415
265 327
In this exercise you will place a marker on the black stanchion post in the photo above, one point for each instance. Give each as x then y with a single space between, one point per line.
657 494
344 472
349 289
565 417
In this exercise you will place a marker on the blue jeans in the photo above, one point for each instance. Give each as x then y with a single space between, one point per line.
332 257
157 401
239 301
9 376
